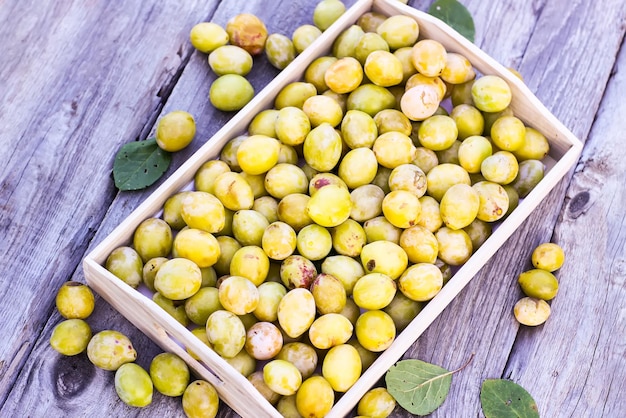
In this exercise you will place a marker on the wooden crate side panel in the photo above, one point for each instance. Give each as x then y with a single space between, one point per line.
165 331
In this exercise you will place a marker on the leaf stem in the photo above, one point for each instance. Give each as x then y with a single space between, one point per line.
440 376
469 360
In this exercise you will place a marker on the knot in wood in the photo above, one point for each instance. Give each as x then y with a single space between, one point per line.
579 204
71 375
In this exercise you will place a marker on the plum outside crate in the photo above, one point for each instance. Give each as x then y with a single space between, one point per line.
234 388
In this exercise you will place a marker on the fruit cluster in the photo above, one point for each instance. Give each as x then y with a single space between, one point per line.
231 50
113 351
539 285
319 234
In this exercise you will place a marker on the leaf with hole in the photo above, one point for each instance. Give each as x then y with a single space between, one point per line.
456 15
501 398
417 386
139 164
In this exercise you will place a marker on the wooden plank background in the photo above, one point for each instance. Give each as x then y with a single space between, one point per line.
81 78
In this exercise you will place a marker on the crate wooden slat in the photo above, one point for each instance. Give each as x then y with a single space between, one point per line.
234 389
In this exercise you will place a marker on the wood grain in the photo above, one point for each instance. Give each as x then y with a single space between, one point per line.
579 355
486 304
81 78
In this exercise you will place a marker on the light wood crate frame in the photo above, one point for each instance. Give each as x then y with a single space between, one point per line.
235 389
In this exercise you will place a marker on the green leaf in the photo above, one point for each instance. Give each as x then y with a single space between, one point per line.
501 398
417 386
139 164
456 15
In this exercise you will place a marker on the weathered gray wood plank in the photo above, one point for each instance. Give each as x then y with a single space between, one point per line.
551 66
79 79
503 30
581 351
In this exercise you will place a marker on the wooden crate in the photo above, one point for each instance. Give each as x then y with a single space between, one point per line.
234 389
